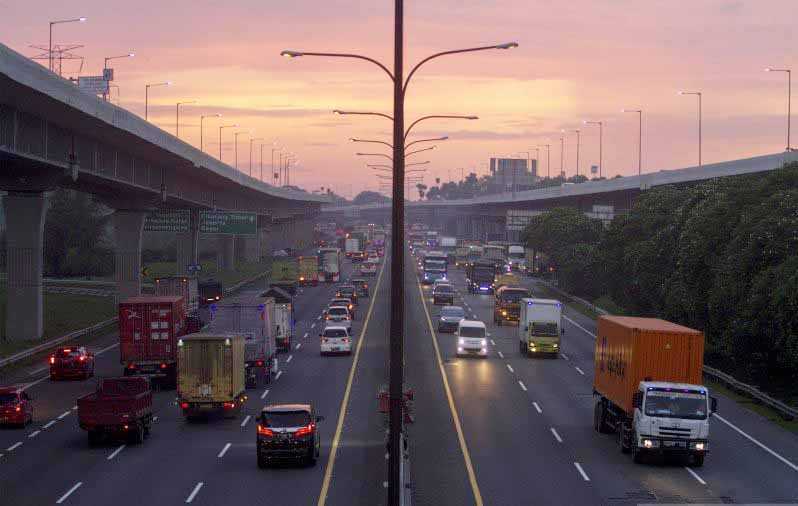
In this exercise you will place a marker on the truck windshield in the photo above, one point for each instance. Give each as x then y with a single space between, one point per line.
512 295
286 419
673 404
472 332
543 329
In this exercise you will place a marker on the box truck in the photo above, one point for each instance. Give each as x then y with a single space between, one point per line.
210 374
119 408
507 304
540 326
351 246
647 382
282 316
182 286
329 265
308 270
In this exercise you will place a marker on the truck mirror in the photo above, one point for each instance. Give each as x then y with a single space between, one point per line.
637 400
713 401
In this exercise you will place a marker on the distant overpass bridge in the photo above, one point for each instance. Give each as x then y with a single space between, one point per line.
503 215
54 135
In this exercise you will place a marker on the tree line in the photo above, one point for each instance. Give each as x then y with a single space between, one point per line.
720 256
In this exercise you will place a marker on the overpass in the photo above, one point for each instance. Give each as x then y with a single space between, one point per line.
54 135
502 216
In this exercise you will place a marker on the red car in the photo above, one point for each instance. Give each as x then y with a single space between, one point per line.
71 362
15 407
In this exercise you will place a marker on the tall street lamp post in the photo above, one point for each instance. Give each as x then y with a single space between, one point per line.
202 119
147 96
250 153
105 66
789 99
639 139
222 127
59 22
276 175
699 95
562 157
601 143
177 115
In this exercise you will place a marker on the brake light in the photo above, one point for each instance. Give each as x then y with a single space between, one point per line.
82 358
67 350
304 431
229 405
163 366
131 366
184 405
259 363
52 360
18 409
265 431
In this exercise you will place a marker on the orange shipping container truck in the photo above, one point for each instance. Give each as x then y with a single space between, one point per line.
648 382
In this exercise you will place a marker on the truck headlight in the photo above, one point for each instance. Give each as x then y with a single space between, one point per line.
699 446
648 443
555 345
461 342
459 349
504 313
484 343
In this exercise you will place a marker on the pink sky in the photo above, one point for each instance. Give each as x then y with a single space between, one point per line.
577 60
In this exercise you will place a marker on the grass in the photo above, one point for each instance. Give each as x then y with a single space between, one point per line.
209 270
751 404
544 291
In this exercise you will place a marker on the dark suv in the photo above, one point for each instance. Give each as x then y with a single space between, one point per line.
287 432
362 287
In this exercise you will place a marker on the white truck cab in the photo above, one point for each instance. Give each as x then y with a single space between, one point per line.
472 338
540 326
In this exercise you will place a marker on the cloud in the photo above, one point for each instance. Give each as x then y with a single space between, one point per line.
731 7
482 135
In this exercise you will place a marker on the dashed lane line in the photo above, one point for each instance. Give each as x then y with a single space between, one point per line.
555 434
696 476
69 492
264 394
194 492
537 407
279 373
501 355
290 358
48 424
62 415
580 371
14 446
521 384
224 450
34 434
510 368
246 420
581 471
298 345
115 453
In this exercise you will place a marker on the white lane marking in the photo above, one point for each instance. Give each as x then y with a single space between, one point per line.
384 484
290 357
264 394
62 415
318 317
194 492
306 335
27 386
387 456
313 326
224 450
756 442
580 371
510 368
492 342
554 433
14 446
74 408
49 424
501 355
100 352
565 356
581 471
37 371
695 475
155 418
487 334
115 453
580 327
298 345
279 373
69 492
34 434
521 384
246 420
537 407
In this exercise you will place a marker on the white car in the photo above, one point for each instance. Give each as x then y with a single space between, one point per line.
335 339
338 316
471 338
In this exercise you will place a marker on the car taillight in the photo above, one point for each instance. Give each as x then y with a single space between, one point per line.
131 366
18 409
52 360
67 350
304 431
229 405
259 363
327 317
265 431
82 358
163 366
184 405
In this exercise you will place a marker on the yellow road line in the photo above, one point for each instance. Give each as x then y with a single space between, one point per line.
472 478
325 485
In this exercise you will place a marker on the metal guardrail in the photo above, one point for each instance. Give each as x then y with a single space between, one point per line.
55 341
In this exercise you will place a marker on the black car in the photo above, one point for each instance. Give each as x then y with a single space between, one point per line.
210 291
287 432
347 292
443 294
362 286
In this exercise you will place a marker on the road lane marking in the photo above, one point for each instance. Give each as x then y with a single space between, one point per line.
537 407
264 394
32 383
49 424
155 418
298 345
580 371
328 470
492 342
510 368
306 335
290 357
565 356
521 384
581 471
34 434
695 475
194 492
100 352
224 450
501 355
313 326
756 442
246 420
318 317
580 327
69 492
472 478
37 371
115 453
14 446
62 415
279 373
74 408
554 433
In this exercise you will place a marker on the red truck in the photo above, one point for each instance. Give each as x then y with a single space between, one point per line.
120 408
149 328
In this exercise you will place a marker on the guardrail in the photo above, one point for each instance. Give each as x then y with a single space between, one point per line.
785 411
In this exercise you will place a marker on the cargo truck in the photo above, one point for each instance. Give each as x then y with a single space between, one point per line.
507 304
255 323
282 316
461 257
149 328
647 383
285 274
540 327
309 270
181 286
210 375
210 291
506 279
351 246
330 265
120 408
516 258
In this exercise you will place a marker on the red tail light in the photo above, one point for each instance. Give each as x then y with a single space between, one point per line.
67 350
131 366
163 366
304 431
18 409
82 358
229 405
183 405
259 363
52 360
265 431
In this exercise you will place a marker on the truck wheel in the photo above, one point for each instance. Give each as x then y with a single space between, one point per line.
599 418
697 460
638 454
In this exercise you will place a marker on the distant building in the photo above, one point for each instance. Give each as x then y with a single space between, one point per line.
506 172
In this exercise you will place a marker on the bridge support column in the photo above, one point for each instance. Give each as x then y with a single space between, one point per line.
25 214
250 248
227 253
188 246
128 228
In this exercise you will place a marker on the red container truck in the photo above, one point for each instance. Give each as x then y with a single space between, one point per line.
149 328
121 408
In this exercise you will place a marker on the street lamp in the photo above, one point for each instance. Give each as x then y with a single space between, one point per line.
222 127
235 140
578 134
789 99
147 96
548 159
562 157
375 154
353 139
278 148
639 139
360 113
396 373
699 95
105 66
59 22
202 118
436 139
601 143
251 140
177 115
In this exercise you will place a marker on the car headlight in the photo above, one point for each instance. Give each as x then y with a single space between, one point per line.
459 349
504 313
555 345
461 341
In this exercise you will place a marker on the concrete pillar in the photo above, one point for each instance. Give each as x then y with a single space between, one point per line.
227 252
128 228
188 246
265 238
251 248
25 214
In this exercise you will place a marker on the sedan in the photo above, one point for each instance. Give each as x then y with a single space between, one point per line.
443 294
449 318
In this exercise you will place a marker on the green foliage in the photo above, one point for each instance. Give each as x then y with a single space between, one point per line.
370 197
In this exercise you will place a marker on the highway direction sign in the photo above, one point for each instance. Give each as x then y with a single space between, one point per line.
172 220
223 222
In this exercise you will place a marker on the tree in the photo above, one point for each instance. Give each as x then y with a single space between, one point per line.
369 197
421 187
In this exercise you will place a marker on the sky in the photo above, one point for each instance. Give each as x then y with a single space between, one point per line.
577 60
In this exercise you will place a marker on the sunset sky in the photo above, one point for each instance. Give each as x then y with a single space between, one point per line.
577 60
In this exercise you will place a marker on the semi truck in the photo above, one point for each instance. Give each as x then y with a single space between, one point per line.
507 304
149 328
329 265
120 408
282 316
254 323
540 327
308 270
647 385
210 375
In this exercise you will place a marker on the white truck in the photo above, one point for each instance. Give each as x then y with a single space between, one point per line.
516 258
540 327
351 245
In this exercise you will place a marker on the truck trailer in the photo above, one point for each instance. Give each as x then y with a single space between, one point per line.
119 408
308 270
540 327
648 390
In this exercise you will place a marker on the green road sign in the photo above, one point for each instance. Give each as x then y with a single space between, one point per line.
171 220
222 222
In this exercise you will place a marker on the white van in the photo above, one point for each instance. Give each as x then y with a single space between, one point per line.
471 338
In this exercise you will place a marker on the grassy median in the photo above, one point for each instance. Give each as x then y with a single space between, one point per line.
209 270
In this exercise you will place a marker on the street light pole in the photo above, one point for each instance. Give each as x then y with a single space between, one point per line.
274 174
548 159
202 118
251 140
177 115
601 143
105 67
789 100
147 96
639 139
562 157
699 95
222 127
50 52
